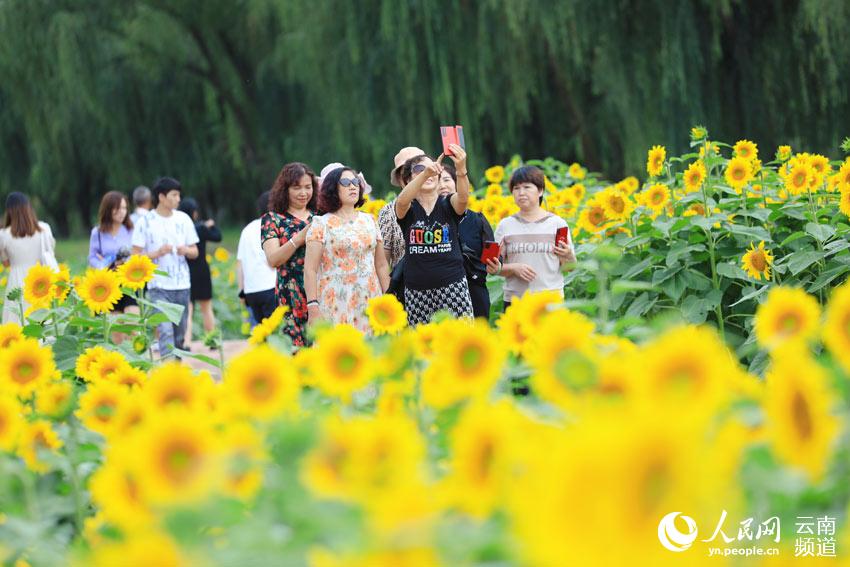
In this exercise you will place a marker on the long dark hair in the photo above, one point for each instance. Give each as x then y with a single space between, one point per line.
289 175
108 205
189 206
20 216
329 201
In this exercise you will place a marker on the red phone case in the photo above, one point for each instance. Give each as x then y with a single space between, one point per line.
449 135
562 235
490 252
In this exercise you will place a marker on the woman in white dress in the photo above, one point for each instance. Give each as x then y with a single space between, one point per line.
24 242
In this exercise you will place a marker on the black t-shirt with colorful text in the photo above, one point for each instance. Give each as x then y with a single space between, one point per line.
432 251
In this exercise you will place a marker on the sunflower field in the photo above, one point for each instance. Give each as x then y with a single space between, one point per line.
699 367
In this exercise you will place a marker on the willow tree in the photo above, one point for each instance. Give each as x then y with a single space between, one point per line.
97 94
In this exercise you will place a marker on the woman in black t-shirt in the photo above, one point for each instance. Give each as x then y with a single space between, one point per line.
434 275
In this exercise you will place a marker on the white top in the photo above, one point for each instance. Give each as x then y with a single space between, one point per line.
138 214
258 275
531 243
152 232
22 254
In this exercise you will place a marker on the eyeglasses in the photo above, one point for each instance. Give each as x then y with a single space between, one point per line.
345 182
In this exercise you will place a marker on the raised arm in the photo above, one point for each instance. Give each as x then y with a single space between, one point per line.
411 190
460 199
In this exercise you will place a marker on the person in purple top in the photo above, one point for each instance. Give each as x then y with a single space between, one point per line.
111 241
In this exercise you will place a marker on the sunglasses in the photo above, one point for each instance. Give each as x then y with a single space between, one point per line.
417 169
345 182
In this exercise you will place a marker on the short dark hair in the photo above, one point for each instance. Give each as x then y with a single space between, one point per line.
289 175
189 206
163 185
406 173
329 201
263 202
528 174
108 205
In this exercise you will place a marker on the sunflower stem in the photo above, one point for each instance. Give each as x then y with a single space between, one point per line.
105 328
75 478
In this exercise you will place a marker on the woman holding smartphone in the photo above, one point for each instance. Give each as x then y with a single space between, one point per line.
283 233
434 276
531 259
474 232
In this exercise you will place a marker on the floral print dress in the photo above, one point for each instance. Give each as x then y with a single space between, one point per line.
290 275
347 277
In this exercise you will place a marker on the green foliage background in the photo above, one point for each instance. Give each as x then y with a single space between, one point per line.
107 94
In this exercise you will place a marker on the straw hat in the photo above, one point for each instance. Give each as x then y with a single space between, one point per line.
402 156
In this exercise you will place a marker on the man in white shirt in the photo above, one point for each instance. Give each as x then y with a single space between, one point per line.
255 277
168 237
142 203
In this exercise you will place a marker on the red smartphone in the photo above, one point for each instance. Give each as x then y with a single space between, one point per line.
449 135
490 252
461 141
562 236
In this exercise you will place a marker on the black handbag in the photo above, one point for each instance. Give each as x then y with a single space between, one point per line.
396 286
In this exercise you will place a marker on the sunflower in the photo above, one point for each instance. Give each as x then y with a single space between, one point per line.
99 405
495 174
55 399
656 198
343 361
62 285
34 438
173 385
757 261
129 376
738 173
844 176
746 150
39 286
798 406
577 192
178 458
694 176
116 492
100 290
386 315
467 363
108 364
576 171
261 382
798 179
787 315
24 366
820 164
493 190
592 218
616 203
783 153
483 445
686 367
243 446
836 329
11 422
268 326
221 254
86 360
561 355
698 133
149 547
655 160
9 333
137 271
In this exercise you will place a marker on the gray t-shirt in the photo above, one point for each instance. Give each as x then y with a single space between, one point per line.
531 243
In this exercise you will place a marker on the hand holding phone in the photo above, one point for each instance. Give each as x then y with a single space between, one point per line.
452 135
562 236
490 252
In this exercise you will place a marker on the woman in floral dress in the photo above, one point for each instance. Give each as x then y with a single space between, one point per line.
292 204
345 264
